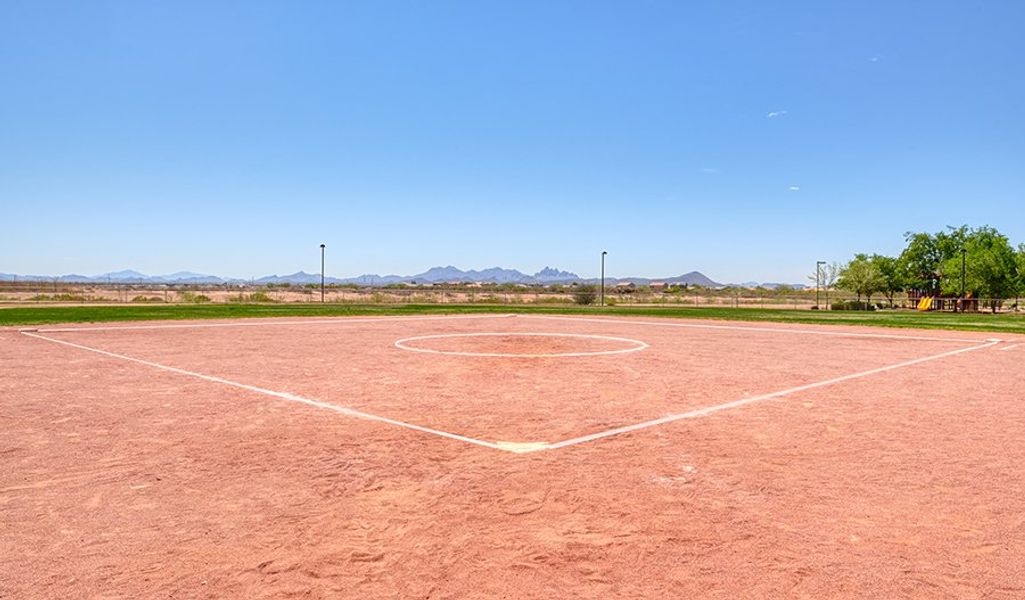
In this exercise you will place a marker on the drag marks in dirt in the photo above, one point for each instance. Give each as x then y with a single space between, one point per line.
530 446
281 395
701 412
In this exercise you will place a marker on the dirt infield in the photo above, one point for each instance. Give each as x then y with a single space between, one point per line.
510 456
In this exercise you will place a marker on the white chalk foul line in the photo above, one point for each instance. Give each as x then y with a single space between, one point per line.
635 345
701 412
283 395
523 448
753 328
1011 347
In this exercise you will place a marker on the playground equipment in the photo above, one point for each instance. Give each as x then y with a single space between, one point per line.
925 303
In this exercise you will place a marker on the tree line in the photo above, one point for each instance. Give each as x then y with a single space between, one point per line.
933 263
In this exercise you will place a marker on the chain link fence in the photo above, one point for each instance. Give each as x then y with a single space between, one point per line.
38 292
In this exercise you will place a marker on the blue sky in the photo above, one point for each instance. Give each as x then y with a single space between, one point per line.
742 139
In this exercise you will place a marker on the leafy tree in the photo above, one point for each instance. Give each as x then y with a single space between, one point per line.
991 266
892 274
921 260
952 240
926 256
862 277
1021 270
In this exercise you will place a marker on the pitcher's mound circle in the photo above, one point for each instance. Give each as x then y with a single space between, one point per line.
520 345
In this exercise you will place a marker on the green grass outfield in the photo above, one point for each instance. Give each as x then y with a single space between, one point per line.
50 314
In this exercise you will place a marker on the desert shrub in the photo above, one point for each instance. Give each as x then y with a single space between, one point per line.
550 299
193 298
585 295
251 298
147 299
612 301
852 305
59 298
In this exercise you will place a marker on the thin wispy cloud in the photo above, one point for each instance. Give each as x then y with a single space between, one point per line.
709 170
875 58
775 113
794 188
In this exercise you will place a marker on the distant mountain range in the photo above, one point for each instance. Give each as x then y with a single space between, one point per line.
126 276
546 275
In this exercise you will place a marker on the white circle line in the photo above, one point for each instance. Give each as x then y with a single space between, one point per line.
638 345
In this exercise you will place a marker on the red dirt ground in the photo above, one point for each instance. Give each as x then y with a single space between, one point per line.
122 480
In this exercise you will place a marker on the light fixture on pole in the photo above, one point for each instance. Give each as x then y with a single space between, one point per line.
322 273
603 253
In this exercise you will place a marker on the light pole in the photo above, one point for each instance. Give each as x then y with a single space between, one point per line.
322 273
964 256
603 253
818 278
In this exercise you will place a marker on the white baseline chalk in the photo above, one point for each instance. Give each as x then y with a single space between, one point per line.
700 412
282 395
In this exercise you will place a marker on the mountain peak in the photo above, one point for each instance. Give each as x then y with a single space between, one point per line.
125 274
550 274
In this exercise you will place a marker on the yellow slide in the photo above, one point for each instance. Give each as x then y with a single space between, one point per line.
925 303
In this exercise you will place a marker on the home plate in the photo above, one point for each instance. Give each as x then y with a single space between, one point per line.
521 447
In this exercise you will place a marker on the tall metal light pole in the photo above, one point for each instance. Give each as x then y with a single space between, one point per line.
322 273
603 253
964 256
818 278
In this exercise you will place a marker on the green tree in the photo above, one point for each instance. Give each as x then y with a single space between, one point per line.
926 255
952 240
991 266
921 260
862 277
1021 270
892 274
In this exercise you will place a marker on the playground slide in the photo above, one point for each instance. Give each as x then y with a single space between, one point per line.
925 303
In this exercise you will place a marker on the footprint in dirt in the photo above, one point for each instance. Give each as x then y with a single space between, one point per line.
513 503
